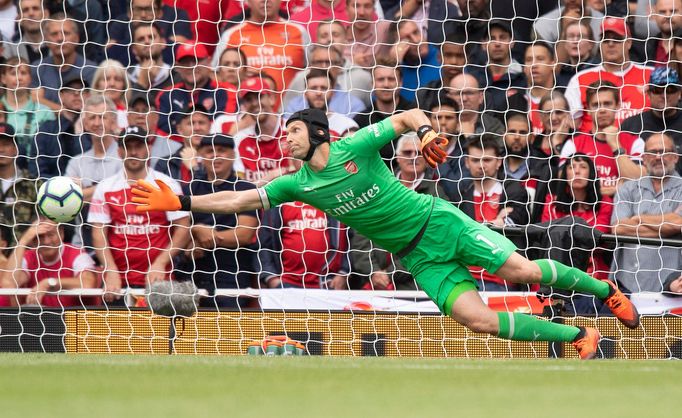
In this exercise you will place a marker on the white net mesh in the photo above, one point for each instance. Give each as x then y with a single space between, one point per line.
556 112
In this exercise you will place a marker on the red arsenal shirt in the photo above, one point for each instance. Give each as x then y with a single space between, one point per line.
631 83
136 239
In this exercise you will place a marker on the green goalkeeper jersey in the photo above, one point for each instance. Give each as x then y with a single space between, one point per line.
358 189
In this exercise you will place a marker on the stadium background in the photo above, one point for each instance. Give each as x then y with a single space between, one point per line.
88 49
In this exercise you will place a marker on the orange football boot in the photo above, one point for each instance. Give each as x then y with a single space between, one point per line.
586 346
621 306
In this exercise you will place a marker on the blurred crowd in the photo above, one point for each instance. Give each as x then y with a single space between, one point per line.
555 110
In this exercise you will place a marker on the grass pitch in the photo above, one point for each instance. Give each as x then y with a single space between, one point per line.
74 386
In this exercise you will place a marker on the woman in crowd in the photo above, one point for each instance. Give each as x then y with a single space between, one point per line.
232 67
558 126
19 108
576 192
576 50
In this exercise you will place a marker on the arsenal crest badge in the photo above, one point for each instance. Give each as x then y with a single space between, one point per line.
351 167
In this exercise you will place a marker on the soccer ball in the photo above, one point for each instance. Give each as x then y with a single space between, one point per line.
60 199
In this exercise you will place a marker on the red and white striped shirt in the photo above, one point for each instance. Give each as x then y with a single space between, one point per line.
135 239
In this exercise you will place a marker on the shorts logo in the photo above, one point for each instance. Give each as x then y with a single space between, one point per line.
351 167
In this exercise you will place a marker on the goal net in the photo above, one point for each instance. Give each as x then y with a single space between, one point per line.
563 130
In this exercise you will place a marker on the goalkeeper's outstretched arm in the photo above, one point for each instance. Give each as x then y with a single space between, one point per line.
432 146
410 120
151 198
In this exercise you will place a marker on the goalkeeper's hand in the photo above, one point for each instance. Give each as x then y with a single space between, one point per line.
152 199
433 146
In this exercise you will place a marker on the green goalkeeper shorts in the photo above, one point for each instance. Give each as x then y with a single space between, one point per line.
452 242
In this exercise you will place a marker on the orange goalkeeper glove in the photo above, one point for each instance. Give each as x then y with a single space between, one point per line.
433 146
162 199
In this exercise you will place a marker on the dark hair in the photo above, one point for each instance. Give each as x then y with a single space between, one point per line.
11 63
444 101
545 45
7 234
516 114
456 38
599 86
561 188
484 141
317 72
137 25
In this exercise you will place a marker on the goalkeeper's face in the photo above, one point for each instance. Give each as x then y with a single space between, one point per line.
297 139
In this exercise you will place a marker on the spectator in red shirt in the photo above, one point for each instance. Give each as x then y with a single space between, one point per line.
617 69
318 11
576 192
42 262
134 249
205 18
261 147
615 155
303 247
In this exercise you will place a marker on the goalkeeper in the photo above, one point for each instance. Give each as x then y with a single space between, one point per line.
435 241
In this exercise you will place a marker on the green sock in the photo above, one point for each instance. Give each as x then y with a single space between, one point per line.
522 327
570 278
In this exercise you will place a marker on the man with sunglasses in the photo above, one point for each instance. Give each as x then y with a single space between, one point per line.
616 68
664 91
649 207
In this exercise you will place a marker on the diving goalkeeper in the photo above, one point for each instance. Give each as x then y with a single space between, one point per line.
435 241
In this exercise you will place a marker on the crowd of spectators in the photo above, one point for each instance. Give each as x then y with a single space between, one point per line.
552 109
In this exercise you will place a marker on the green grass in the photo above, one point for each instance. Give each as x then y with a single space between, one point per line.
74 386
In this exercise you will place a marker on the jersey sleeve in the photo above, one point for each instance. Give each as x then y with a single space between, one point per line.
99 210
567 151
82 263
369 140
633 144
280 190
